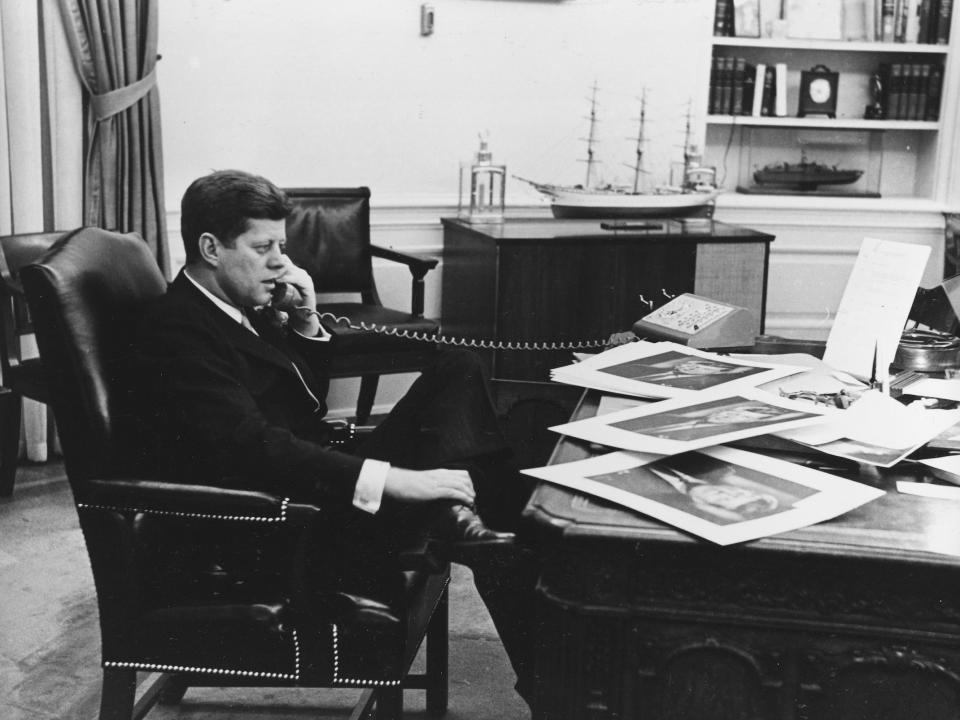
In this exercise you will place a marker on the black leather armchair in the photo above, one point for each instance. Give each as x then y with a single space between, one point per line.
22 375
328 234
207 586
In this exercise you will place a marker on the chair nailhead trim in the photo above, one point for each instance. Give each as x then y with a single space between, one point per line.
353 681
218 671
282 517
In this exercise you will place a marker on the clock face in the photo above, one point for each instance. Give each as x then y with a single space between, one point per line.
820 90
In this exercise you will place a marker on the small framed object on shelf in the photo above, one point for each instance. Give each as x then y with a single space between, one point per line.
746 18
818 92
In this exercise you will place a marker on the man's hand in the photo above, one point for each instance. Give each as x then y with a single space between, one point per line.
302 318
426 485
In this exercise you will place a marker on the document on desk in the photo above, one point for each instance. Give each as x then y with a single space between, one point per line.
876 430
666 370
875 305
675 426
721 494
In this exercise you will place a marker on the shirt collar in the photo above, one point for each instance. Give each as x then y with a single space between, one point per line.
232 311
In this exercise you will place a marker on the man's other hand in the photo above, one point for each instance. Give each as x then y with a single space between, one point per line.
426 485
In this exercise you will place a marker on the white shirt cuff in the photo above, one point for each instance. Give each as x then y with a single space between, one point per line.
369 490
322 335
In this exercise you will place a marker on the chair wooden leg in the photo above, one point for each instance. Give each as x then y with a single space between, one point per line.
119 689
368 393
390 703
173 691
10 410
438 655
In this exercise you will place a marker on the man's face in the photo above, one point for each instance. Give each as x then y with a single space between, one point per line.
248 271
741 415
700 367
729 497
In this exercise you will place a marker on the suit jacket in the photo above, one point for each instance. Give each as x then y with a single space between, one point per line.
226 407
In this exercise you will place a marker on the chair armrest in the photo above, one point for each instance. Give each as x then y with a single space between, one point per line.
419 266
200 501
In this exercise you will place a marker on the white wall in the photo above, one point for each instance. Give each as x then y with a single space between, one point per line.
317 92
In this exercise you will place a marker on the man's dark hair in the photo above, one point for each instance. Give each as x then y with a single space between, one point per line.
222 202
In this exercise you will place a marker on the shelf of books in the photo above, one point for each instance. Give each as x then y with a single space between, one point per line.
832 97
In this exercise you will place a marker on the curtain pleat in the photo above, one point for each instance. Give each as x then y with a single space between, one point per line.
114 45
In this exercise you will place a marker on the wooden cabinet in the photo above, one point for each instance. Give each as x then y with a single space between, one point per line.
523 284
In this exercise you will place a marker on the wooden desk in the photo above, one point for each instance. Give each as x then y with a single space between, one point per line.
566 280
858 617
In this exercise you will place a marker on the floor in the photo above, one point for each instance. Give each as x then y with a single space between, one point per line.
50 643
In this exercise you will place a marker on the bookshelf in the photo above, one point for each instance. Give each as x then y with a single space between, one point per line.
903 156
911 166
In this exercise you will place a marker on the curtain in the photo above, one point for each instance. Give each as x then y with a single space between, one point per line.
114 49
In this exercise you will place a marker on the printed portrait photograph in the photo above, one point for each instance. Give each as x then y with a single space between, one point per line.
714 490
679 370
714 417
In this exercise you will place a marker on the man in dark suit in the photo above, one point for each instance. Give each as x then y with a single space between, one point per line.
235 393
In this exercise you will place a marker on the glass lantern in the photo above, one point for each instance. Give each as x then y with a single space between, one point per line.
482 188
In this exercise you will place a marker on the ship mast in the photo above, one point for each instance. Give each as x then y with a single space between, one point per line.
590 136
691 158
638 168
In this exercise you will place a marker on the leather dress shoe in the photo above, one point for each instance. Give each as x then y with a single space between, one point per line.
466 540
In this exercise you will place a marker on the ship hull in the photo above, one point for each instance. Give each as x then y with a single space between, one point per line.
631 206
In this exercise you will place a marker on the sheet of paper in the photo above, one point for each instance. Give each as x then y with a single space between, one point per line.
935 388
943 492
666 370
946 467
876 430
722 494
674 426
875 305
616 403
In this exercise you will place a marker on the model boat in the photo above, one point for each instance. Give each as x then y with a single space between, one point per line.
696 189
805 175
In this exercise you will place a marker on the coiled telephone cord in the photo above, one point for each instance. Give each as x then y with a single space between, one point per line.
437 338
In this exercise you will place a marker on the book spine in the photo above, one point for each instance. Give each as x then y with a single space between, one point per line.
899 17
911 81
934 89
944 12
780 89
749 88
759 87
887 20
739 70
713 101
726 87
720 18
923 84
923 21
896 91
911 22
769 91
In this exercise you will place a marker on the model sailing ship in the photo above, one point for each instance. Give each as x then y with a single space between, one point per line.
696 189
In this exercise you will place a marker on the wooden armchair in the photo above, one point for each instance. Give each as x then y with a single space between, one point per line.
22 375
328 235
206 586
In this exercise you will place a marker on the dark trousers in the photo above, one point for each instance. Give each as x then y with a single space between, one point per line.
447 420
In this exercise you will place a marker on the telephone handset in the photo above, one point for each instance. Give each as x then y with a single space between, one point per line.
285 296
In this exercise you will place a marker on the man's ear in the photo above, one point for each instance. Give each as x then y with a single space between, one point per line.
209 248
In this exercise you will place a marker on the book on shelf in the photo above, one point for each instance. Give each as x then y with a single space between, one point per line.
780 90
911 21
739 71
749 88
944 11
922 92
769 91
726 86
723 18
759 85
934 91
911 86
887 20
